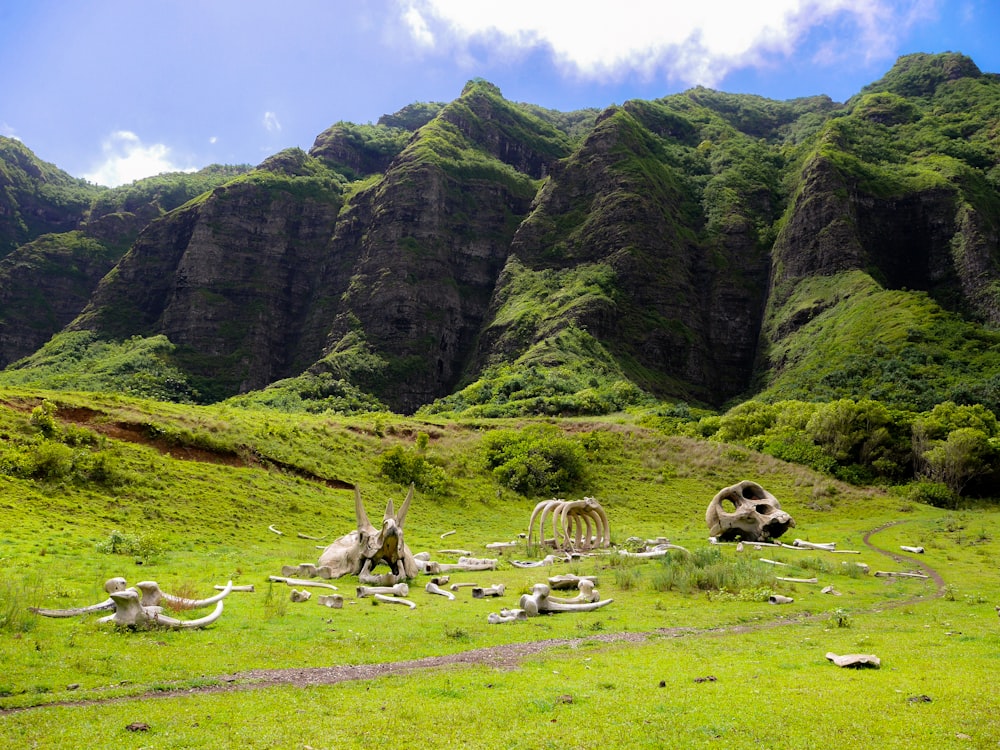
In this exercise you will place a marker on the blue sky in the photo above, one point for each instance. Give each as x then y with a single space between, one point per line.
114 90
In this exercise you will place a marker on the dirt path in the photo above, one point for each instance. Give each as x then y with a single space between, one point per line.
507 656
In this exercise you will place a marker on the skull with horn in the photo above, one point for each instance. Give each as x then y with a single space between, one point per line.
360 551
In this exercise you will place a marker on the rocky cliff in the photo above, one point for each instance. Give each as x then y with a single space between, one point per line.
700 247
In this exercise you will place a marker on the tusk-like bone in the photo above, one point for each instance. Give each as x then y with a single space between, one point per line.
394 600
271 528
182 603
248 588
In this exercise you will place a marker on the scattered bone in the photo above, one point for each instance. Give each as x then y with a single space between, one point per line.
779 599
739 545
892 574
547 560
569 581
300 535
539 602
481 593
863 566
301 582
801 543
394 600
855 660
399 589
454 552
573 524
440 580
333 601
463 564
772 562
457 586
433 588
300 596
114 584
447 533
829 590
797 580
271 528
914 550
660 550
756 516
507 615
248 588
499 547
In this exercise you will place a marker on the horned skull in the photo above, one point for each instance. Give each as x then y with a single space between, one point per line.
360 551
756 514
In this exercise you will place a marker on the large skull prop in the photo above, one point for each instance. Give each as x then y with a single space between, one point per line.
748 512
360 551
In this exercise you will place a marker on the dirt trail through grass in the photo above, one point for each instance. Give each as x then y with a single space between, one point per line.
507 656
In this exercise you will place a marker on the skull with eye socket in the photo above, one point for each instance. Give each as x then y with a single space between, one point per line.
747 512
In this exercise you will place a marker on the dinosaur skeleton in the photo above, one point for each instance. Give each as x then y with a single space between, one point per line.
360 551
573 524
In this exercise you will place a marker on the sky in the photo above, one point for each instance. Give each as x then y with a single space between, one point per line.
115 90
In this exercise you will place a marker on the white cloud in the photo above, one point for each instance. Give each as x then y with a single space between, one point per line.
126 159
213 140
8 131
271 123
695 43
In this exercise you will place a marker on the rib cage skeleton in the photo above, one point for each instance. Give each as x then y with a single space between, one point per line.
574 523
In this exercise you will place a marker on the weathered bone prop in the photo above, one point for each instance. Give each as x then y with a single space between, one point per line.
463 564
148 595
360 551
130 613
756 516
506 615
479 592
569 581
574 524
399 589
539 601
433 588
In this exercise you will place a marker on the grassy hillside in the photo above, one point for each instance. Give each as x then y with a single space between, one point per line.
100 486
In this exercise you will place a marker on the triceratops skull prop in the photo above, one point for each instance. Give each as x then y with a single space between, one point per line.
756 514
360 551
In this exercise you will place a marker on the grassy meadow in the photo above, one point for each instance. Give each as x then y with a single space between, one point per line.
689 653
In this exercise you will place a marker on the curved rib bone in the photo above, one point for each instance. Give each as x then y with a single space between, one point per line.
538 602
393 600
152 595
130 613
300 582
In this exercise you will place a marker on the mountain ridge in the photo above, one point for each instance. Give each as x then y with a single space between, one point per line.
492 257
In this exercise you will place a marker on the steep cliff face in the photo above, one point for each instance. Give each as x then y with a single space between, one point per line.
228 280
430 240
37 197
702 246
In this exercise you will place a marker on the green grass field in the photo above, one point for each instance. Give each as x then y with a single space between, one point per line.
687 655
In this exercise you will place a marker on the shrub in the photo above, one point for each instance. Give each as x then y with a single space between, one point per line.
405 467
534 460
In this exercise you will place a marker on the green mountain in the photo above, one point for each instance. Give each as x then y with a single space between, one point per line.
496 258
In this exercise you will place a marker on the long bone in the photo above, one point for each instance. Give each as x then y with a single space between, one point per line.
399 589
